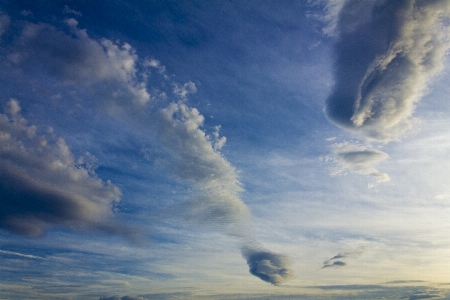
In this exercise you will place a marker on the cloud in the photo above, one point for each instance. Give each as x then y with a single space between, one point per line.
68 10
386 53
122 298
42 185
108 68
334 262
5 20
216 198
268 266
359 159
21 254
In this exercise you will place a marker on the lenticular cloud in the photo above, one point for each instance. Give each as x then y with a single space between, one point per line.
386 53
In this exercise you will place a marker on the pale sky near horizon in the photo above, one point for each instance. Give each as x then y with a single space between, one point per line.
224 149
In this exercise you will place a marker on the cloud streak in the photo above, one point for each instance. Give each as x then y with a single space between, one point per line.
386 53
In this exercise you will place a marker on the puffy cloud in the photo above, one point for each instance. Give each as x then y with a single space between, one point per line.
359 159
41 184
386 53
268 266
77 59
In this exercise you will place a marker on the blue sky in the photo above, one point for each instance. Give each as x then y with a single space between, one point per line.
224 150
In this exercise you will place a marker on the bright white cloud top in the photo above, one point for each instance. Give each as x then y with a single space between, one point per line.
165 150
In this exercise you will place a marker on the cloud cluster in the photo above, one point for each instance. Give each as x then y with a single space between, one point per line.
359 159
386 53
268 266
42 185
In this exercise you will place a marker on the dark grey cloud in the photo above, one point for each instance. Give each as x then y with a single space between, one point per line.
42 185
386 53
268 266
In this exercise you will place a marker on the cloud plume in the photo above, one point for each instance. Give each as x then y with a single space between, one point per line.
386 53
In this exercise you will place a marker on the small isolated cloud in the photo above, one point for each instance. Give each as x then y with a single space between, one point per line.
336 261
41 184
68 10
386 53
335 264
268 266
26 13
359 159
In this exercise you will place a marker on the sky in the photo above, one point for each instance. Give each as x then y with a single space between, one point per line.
197 149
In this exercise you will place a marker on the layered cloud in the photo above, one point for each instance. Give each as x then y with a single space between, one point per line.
360 159
43 185
386 53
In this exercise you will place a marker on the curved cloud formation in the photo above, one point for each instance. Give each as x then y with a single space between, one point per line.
386 53
42 185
